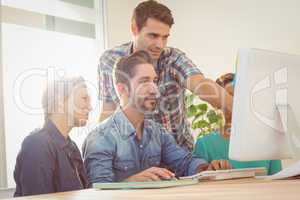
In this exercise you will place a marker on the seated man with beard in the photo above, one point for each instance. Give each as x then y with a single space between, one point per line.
130 147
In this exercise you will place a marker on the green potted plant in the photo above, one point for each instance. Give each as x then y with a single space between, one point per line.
204 118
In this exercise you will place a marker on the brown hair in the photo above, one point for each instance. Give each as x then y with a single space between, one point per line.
125 67
225 79
152 9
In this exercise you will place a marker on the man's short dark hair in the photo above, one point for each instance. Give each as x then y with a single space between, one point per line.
225 79
152 9
125 67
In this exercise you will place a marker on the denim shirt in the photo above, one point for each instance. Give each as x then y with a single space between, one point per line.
48 163
112 153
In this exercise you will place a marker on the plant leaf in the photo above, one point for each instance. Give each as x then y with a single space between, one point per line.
213 117
202 107
191 111
189 100
200 124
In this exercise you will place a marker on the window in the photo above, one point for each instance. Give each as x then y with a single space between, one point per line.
40 38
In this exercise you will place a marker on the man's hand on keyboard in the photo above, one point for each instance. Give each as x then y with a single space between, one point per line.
152 174
215 165
219 165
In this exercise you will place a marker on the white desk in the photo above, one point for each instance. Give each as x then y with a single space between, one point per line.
242 189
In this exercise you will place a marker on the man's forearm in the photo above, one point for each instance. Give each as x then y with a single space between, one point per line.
214 94
202 167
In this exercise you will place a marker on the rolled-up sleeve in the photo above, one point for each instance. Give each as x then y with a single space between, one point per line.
179 160
184 66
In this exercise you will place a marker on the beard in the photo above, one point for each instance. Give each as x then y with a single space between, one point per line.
146 105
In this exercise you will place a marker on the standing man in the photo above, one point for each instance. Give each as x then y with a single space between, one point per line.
150 26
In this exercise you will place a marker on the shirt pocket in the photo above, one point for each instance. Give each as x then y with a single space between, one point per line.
124 165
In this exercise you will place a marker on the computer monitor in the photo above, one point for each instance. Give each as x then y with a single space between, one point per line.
266 108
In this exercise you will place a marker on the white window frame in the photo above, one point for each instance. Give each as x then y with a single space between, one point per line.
3 175
54 8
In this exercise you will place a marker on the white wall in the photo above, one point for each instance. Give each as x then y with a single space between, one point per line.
118 21
211 31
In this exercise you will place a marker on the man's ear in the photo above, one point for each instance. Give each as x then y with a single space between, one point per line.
134 28
122 89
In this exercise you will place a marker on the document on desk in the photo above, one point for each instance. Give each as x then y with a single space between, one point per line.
145 185
228 174
289 172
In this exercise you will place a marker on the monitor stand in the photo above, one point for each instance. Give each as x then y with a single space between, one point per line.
292 131
291 128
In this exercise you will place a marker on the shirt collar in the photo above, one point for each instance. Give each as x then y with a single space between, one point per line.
55 134
126 129
129 48
124 126
148 129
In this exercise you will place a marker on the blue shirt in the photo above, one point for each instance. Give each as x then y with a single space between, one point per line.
112 153
48 163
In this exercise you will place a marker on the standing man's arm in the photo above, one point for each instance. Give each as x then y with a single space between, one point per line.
211 92
207 90
107 94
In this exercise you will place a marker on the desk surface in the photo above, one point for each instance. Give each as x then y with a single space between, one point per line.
241 189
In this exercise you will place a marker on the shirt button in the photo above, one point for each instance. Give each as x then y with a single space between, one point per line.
141 146
125 167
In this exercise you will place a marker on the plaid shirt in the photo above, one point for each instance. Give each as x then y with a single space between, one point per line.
173 68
